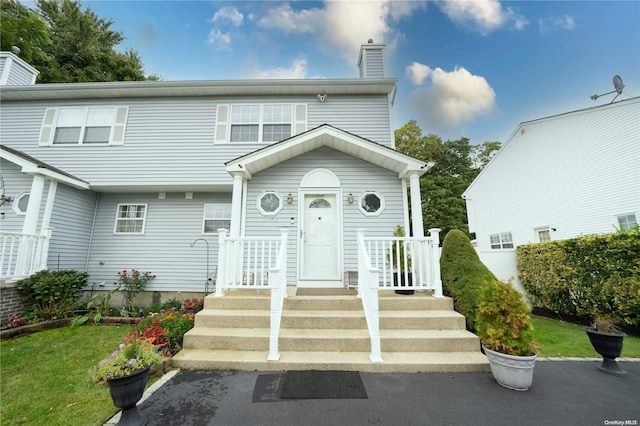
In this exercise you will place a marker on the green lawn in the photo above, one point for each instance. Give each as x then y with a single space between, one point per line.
564 339
46 376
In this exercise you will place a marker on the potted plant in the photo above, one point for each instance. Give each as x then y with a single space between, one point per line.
504 327
606 338
397 261
126 371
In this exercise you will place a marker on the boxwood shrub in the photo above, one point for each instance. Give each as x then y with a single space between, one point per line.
463 274
591 275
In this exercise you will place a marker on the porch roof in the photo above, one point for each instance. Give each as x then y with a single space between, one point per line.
33 166
332 137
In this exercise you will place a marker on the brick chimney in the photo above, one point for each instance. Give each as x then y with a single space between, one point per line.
14 71
371 61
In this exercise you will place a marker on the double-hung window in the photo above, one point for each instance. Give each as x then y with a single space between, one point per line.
627 221
130 218
501 241
216 216
259 123
84 126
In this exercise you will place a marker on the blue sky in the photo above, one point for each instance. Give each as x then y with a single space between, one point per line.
464 68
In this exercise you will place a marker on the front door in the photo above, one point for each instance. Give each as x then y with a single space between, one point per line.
320 241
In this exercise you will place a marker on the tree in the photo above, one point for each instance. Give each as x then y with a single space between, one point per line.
67 44
22 27
457 164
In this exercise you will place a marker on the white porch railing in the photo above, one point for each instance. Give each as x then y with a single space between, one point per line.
23 254
255 263
401 263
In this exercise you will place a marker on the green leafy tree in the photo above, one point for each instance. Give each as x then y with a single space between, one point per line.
457 163
68 44
23 27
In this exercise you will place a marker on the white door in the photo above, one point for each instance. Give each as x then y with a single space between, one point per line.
320 241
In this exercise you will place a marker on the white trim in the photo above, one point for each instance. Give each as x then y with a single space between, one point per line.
205 218
375 213
265 212
16 199
51 118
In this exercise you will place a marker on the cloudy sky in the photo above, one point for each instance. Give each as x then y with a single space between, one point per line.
464 68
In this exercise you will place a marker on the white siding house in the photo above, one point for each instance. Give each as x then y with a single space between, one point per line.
556 178
136 174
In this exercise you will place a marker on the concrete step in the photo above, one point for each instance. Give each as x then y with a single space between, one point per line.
394 362
299 340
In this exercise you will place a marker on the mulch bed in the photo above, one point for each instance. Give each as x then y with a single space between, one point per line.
10 333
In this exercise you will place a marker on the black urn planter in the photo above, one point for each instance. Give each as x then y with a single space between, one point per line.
401 283
126 392
609 346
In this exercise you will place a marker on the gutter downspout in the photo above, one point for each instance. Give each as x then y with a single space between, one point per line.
93 227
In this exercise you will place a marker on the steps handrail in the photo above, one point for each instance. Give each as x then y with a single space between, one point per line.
368 291
278 285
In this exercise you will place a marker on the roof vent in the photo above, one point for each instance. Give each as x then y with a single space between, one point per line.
370 41
15 50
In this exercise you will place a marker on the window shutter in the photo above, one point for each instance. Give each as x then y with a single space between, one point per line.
300 119
222 124
48 127
119 126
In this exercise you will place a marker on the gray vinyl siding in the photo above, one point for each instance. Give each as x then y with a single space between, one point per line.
169 141
19 75
71 221
374 63
3 63
356 176
164 249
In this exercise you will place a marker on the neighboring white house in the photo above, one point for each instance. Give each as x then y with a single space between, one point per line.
556 178
137 174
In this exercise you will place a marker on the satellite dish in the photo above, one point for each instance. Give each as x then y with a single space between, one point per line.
617 85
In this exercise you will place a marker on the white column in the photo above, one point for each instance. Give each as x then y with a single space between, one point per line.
30 226
236 205
435 234
416 205
48 209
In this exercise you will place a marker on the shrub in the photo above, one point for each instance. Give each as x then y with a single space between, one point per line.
504 320
131 283
53 294
463 274
174 322
593 275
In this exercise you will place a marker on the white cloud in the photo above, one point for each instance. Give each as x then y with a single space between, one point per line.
452 98
219 40
297 70
483 16
228 13
564 22
343 26
418 72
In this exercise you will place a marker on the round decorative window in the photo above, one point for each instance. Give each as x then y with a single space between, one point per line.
269 203
371 203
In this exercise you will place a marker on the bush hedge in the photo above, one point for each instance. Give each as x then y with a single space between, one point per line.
52 294
592 275
463 274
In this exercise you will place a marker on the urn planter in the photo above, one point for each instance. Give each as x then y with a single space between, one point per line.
609 346
512 372
125 392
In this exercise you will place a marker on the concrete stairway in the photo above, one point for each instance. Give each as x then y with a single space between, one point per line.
419 333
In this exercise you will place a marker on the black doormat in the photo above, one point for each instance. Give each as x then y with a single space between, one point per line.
310 384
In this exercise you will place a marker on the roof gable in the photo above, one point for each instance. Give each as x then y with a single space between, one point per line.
332 137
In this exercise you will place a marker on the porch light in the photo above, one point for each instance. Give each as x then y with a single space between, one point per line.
350 199
3 198
289 199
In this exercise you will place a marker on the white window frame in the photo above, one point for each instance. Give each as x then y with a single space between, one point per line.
16 202
368 213
260 121
542 230
624 223
216 212
84 118
142 219
501 241
262 210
